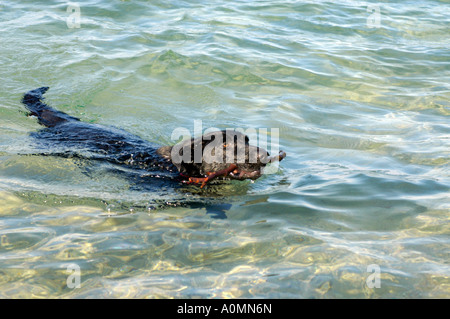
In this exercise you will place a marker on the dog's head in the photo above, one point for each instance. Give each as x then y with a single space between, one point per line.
220 151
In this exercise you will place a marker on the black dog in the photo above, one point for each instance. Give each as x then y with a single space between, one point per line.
221 154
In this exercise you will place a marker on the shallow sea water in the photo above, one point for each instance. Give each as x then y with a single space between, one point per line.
360 94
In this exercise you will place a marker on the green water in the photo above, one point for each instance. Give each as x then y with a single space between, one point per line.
359 91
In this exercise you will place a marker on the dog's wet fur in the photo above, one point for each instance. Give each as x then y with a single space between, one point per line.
224 154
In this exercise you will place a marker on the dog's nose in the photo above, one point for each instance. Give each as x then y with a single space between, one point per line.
278 158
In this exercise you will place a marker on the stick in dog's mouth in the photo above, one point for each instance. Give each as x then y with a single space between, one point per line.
233 172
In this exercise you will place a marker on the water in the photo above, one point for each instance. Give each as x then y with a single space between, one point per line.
359 91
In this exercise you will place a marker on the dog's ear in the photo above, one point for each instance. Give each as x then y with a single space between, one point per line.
165 152
183 156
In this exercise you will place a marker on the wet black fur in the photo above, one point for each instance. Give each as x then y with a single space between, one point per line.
65 135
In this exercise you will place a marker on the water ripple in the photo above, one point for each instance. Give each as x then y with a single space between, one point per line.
362 110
